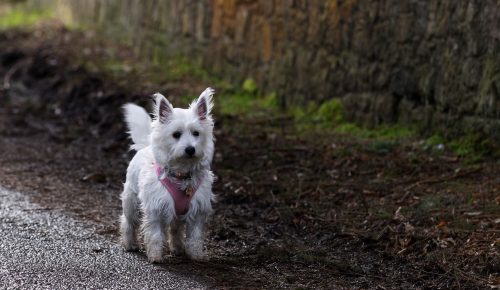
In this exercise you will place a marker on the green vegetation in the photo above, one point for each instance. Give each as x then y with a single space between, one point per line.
250 87
246 100
434 140
327 115
330 115
17 16
382 131
471 147
173 69
179 67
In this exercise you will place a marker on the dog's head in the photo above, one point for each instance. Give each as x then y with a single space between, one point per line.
182 139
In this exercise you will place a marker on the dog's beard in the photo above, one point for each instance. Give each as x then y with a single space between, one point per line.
185 163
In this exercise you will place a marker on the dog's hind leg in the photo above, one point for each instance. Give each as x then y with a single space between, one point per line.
129 219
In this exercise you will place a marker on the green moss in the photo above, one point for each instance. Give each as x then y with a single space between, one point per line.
330 112
387 132
327 115
463 146
330 116
178 67
246 100
304 114
434 140
348 128
236 104
396 131
250 87
240 101
473 147
270 101
19 16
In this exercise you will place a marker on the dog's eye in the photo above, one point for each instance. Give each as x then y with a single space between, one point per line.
196 133
176 135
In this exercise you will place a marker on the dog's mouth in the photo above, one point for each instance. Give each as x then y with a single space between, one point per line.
188 158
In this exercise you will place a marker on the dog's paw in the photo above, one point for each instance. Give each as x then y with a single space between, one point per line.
155 256
155 259
130 246
178 251
199 257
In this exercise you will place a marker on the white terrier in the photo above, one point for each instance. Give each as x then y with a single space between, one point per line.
169 182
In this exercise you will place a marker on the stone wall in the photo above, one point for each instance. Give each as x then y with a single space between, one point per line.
430 62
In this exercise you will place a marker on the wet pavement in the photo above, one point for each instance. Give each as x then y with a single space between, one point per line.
43 248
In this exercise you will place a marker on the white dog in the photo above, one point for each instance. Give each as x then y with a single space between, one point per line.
169 182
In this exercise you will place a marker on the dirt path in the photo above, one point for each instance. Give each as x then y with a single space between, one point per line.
314 210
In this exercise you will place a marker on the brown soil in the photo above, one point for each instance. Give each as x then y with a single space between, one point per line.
308 210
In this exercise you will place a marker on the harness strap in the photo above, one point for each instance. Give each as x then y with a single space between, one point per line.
182 198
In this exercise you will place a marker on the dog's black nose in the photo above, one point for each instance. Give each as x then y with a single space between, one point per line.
190 150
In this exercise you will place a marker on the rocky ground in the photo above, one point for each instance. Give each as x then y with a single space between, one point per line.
299 209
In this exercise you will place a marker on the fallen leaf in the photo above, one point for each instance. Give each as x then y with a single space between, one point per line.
441 224
409 229
369 192
473 213
95 177
398 215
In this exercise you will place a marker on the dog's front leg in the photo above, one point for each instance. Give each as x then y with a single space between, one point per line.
154 236
177 237
194 238
129 219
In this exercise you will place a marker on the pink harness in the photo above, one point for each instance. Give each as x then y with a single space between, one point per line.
181 198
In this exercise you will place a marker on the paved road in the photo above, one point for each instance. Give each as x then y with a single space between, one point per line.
47 249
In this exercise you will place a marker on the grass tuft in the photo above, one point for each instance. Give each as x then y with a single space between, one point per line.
17 16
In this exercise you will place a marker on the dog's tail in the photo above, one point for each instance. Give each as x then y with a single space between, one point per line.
139 125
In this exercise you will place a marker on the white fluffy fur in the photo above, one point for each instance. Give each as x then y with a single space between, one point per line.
146 202
139 124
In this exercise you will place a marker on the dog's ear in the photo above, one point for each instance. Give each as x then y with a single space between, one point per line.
204 104
163 108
